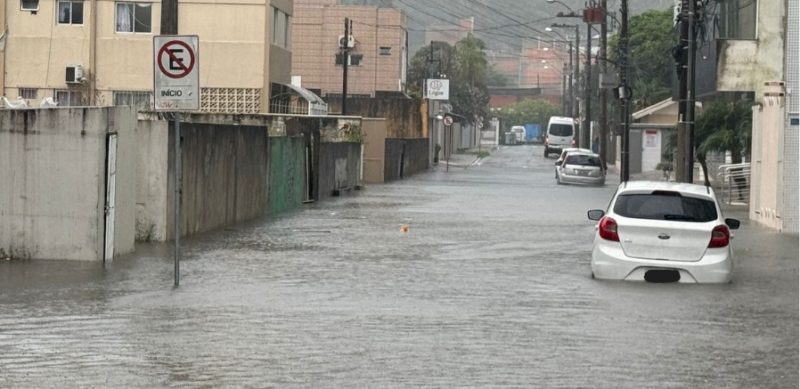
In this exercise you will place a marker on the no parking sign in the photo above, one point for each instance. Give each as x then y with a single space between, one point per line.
176 72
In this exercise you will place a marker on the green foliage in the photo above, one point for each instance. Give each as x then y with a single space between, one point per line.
725 127
466 67
495 78
527 111
650 62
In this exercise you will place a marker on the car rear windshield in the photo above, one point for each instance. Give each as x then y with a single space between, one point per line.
665 206
560 130
584 160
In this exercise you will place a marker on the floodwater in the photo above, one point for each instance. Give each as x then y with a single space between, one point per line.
475 277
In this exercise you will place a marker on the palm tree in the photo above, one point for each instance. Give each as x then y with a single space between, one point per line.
722 127
730 129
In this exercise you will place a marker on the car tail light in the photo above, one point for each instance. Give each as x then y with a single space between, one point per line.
608 229
573 142
720 237
546 141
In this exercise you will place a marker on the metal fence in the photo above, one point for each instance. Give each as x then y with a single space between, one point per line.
734 182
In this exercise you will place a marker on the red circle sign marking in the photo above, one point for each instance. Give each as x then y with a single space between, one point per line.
448 120
183 69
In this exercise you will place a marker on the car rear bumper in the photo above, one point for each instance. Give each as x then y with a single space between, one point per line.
586 180
610 262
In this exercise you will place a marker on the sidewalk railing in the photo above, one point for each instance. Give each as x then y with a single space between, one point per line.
735 183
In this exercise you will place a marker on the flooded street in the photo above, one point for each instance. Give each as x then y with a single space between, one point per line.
488 286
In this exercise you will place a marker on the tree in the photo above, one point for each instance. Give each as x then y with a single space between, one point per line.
527 111
495 78
466 67
650 61
721 127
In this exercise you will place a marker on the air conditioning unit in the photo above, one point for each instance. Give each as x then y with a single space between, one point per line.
75 74
350 41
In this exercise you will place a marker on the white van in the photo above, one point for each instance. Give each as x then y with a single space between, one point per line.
519 133
560 135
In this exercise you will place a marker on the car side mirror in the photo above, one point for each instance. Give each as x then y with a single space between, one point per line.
732 223
558 163
597 214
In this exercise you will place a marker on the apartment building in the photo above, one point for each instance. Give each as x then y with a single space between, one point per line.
378 48
100 52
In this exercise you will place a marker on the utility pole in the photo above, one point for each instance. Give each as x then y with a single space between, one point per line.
345 50
564 72
689 118
585 140
624 93
571 87
684 55
603 91
169 17
575 106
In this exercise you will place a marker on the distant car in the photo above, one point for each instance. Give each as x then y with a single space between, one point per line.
519 133
581 168
663 232
570 150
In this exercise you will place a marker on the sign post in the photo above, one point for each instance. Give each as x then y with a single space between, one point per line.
448 135
176 87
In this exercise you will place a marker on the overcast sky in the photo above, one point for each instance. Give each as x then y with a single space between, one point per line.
502 24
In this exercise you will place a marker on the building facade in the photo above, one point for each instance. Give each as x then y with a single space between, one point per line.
378 48
91 52
751 51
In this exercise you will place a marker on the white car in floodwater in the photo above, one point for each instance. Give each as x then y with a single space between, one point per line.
663 232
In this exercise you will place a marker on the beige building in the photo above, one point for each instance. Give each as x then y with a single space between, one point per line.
378 48
100 52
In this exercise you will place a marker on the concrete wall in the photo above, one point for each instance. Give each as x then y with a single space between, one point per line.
744 65
405 157
53 166
152 138
287 173
224 170
339 168
403 118
374 150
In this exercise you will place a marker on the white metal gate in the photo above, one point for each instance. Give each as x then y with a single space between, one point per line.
111 182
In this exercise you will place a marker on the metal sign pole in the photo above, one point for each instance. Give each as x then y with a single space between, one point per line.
447 146
176 88
177 199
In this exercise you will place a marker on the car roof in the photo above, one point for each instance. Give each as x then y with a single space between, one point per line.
649 186
581 152
577 149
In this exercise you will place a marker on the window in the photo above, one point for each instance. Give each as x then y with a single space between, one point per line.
737 19
29 5
28 93
355 59
663 205
67 98
134 17
583 160
281 25
385 50
70 12
138 99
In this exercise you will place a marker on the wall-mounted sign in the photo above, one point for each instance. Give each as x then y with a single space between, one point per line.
437 89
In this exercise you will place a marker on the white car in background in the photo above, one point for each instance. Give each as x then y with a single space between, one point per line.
580 167
663 232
